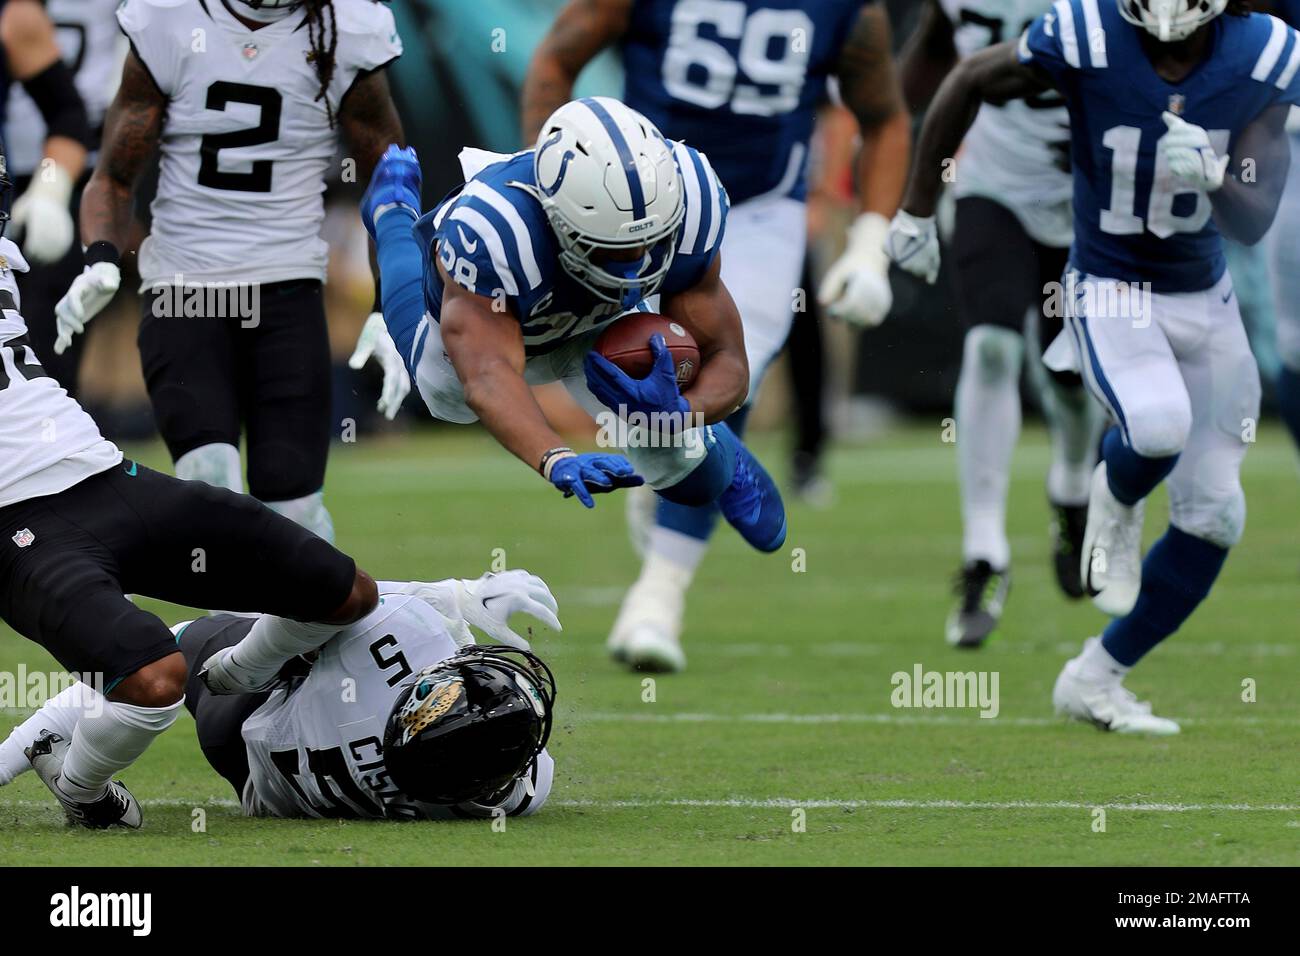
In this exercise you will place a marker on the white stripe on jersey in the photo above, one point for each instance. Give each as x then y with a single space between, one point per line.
1272 51
715 206
691 231
488 233
1096 34
1069 39
523 239
1292 64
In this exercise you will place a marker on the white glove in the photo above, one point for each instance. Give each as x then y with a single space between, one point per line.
487 604
88 294
856 287
1191 156
913 244
44 216
375 340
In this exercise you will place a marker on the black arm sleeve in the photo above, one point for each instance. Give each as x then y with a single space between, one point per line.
56 97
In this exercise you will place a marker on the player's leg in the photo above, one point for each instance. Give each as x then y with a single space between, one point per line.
286 403
1075 422
189 370
1207 516
1286 295
997 286
762 259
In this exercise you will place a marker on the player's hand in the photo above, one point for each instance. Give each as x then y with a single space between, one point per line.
43 215
913 244
655 394
375 341
1191 156
856 287
88 294
395 183
582 476
488 603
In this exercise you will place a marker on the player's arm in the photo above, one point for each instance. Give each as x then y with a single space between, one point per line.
709 313
369 122
582 29
1244 206
927 57
486 347
856 287
31 54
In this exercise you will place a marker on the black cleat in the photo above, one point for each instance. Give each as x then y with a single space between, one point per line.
1068 524
981 592
116 808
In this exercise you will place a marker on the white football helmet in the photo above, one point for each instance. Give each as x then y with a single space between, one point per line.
613 194
1170 20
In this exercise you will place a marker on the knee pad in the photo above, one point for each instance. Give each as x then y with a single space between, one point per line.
1160 430
993 354
1218 519
216 464
308 511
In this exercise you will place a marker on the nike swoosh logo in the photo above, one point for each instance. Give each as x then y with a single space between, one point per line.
470 247
1228 298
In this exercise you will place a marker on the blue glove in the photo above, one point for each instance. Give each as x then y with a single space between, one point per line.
396 182
593 474
655 394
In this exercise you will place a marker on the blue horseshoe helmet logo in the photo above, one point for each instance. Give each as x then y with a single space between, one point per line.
564 162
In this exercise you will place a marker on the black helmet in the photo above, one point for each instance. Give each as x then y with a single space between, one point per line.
466 727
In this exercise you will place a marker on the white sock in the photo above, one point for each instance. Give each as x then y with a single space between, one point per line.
60 714
666 572
104 744
273 640
988 424
308 511
1095 663
1075 421
681 550
218 464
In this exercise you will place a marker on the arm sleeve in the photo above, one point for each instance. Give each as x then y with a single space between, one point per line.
401 271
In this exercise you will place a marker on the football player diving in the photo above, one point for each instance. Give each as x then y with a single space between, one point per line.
510 279
398 715
1178 111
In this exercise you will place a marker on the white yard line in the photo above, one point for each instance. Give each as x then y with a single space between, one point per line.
901 718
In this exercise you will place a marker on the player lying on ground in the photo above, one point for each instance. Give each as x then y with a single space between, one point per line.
1177 116
80 527
508 282
395 716
740 82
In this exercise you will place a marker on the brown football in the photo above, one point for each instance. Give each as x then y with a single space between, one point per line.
626 343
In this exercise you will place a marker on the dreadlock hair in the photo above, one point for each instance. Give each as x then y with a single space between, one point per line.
1238 8
324 41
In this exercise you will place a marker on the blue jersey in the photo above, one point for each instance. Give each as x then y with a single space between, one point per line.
493 238
1132 221
739 79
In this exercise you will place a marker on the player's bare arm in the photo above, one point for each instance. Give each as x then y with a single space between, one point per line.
708 312
486 347
369 122
30 50
582 29
996 76
1245 205
132 128
870 88
927 57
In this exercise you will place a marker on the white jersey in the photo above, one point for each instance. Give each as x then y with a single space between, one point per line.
92 47
1016 154
47 441
246 146
315 748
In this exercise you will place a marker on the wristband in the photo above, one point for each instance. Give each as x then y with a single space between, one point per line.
549 459
102 251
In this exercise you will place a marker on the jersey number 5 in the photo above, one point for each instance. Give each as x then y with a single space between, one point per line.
703 72
258 177
1121 218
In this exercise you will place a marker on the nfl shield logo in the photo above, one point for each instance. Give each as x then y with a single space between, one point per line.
1177 103
24 538
250 51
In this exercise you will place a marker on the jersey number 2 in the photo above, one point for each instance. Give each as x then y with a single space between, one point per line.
258 177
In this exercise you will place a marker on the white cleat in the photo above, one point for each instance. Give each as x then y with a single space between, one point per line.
649 647
1111 560
116 808
647 632
639 507
1105 703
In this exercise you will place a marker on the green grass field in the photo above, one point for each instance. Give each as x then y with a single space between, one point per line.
786 705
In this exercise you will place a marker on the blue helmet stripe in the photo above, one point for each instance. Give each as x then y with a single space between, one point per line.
624 154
